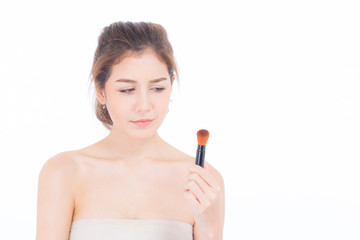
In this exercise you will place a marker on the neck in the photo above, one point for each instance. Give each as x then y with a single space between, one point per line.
120 146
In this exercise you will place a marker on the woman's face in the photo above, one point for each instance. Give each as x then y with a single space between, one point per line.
137 95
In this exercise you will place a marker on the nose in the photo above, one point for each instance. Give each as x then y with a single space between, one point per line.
143 103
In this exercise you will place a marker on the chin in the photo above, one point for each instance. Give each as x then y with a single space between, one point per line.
143 133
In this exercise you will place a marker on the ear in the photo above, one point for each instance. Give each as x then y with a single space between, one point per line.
172 79
100 93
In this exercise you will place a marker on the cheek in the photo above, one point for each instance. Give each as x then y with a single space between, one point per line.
162 103
119 107
162 107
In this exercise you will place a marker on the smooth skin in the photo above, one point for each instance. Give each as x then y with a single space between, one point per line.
132 173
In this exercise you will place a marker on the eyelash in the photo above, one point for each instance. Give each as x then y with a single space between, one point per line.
159 89
130 90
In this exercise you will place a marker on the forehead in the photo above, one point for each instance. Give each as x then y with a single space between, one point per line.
139 67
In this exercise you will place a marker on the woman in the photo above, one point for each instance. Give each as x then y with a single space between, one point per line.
132 184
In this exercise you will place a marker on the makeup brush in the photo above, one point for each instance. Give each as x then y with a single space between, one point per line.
202 137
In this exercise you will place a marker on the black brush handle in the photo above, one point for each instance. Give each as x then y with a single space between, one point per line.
200 155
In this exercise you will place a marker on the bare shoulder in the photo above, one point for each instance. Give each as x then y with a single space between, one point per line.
219 178
60 164
56 196
190 160
215 173
60 171
177 154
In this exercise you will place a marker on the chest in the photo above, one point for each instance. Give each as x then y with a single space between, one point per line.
143 192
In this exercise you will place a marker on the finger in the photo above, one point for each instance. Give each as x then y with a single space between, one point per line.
199 181
195 189
194 203
205 174
207 190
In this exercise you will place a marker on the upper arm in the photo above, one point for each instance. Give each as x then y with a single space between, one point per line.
55 198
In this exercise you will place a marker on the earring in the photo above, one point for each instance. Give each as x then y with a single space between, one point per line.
104 106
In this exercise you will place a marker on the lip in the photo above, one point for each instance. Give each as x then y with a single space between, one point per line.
142 122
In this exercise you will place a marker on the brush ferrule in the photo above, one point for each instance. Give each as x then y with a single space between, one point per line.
201 148
200 155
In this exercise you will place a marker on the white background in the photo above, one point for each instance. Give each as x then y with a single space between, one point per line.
275 82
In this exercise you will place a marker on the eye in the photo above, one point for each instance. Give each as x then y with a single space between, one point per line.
158 89
128 90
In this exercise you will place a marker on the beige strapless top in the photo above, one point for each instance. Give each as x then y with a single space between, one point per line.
129 229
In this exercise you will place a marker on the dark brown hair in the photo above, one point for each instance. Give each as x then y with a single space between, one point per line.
119 39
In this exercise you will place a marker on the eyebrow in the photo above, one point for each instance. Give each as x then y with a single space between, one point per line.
133 81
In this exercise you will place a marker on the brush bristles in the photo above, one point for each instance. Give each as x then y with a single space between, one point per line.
202 136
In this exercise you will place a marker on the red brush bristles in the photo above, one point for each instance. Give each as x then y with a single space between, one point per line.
202 136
